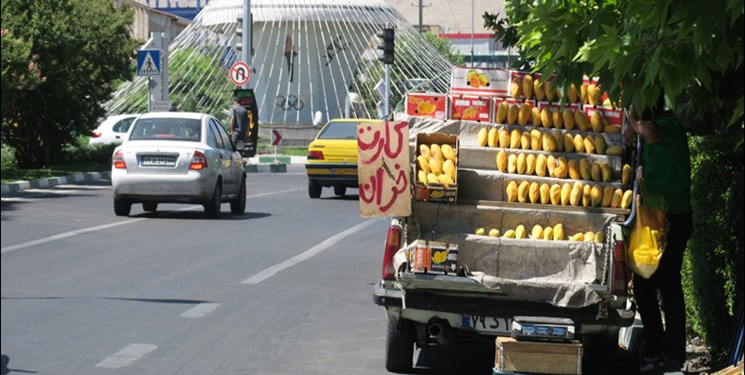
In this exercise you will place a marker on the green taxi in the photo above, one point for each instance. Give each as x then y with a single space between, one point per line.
332 157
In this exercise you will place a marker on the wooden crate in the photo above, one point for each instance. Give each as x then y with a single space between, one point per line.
538 357
435 192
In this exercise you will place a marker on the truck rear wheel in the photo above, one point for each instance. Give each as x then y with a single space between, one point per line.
399 346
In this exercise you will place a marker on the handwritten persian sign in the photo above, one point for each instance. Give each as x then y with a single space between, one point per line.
383 169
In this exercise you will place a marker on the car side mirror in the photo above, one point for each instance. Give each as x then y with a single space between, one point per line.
240 146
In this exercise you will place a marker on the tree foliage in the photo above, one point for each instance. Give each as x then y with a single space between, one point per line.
445 47
713 266
70 53
20 68
691 51
188 69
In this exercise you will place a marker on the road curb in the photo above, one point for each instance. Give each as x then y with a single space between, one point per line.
48 182
45 183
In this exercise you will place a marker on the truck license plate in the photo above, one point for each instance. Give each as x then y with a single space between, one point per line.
487 324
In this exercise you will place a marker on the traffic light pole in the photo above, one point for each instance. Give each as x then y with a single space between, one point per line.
246 52
386 99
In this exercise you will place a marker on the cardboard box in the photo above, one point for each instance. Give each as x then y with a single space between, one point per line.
510 101
518 73
614 116
479 82
421 257
435 192
470 108
538 357
594 80
427 105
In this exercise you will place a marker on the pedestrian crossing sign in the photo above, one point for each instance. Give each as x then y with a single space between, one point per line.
148 62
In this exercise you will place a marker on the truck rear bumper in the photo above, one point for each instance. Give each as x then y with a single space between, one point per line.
498 307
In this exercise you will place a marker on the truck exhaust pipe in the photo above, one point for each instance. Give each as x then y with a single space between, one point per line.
441 333
435 329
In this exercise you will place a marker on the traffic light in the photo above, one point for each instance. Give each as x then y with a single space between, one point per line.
387 35
239 34
243 34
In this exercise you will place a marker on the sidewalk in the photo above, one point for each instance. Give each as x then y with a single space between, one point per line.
258 164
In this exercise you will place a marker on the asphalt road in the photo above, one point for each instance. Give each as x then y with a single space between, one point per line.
283 289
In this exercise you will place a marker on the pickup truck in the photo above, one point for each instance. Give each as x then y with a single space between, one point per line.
500 278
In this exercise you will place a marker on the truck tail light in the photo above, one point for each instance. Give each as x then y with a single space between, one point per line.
315 155
619 279
118 160
198 161
392 244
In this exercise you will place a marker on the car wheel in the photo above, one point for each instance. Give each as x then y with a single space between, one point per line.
314 189
212 208
149 206
238 205
399 346
122 206
340 190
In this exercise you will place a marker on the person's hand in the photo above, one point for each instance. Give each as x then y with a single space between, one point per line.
629 131
632 115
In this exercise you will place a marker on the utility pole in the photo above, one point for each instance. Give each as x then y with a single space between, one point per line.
420 16
421 24
473 63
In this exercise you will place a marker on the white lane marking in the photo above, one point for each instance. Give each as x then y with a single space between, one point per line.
273 192
307 254
20 200
127 356
66 235
199 310
111 225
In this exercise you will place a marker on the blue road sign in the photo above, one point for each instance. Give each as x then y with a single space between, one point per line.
148 62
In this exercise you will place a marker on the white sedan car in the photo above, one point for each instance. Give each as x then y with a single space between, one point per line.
178 157
113 129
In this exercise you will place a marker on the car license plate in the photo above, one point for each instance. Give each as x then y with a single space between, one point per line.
344 171
487 324
155 161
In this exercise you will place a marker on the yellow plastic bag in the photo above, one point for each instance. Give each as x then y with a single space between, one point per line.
648 240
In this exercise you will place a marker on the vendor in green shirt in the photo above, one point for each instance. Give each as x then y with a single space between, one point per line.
666 167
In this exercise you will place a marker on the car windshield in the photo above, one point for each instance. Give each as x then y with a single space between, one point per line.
176 129
339 130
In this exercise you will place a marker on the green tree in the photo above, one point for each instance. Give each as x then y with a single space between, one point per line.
445 47
20 68
693 52
82 47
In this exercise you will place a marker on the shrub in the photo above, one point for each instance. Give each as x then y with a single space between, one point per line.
8 157
713 264
82 152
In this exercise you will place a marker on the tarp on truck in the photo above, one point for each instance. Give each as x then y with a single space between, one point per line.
562 273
